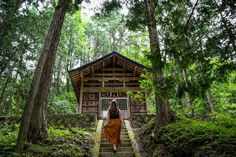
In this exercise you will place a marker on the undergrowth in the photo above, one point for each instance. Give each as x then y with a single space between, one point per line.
191 137
61 142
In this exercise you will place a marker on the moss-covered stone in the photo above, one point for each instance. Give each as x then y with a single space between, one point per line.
68 120
61 142
189 137
138 121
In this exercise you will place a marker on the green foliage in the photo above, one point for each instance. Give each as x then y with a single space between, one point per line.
225 120
224 95
137 97
58 132
61 141
8 137
188 137
61 105
34 149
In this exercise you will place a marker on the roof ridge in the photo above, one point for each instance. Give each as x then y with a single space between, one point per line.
106 57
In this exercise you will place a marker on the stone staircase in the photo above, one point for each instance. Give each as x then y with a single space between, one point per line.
123 150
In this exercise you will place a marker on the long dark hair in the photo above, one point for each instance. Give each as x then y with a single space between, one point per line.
113 109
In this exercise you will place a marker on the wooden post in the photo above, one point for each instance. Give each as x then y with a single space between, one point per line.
135 70
128 107
81 95
100 106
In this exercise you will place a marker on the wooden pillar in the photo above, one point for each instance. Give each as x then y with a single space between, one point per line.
135 70
128 107
100 106
81 95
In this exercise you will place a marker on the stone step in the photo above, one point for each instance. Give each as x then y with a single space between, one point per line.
119 149
124 134
117 154
122 140
124 137
122 131
109 145
121 137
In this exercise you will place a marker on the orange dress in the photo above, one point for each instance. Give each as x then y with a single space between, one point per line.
112 131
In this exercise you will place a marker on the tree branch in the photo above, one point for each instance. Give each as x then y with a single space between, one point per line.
191 14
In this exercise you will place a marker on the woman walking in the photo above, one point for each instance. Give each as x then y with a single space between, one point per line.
112 127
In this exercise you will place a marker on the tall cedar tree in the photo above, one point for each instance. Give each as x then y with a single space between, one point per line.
33 127
164 113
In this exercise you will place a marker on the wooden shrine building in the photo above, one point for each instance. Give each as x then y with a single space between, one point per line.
110 77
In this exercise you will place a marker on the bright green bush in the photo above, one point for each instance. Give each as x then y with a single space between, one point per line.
8 134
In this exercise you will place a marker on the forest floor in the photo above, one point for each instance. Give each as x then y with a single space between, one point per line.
189 137
186 137
61 142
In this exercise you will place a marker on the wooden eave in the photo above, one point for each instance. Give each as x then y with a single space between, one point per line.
76 75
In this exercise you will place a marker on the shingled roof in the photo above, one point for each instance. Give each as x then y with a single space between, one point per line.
111 58
108 56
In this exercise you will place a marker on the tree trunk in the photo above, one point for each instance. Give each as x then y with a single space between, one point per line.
58 76
164 113
209 100
188 99
33 123
67 78
230 33
4 89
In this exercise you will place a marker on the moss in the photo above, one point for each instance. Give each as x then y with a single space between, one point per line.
40 149
70 142
189 137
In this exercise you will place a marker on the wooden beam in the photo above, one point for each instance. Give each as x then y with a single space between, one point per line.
113 74
124 64
128 106
81 75
92 71
112 69
81 92
113 61
135 70
106 79
99 106
111 89
81 96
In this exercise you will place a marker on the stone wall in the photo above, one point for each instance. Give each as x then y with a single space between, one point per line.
68 120
138 121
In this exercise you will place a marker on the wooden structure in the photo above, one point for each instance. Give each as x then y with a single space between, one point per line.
110 77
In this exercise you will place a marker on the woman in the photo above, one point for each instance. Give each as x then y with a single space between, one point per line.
112 126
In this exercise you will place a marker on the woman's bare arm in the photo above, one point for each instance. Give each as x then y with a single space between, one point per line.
121 118
107 119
